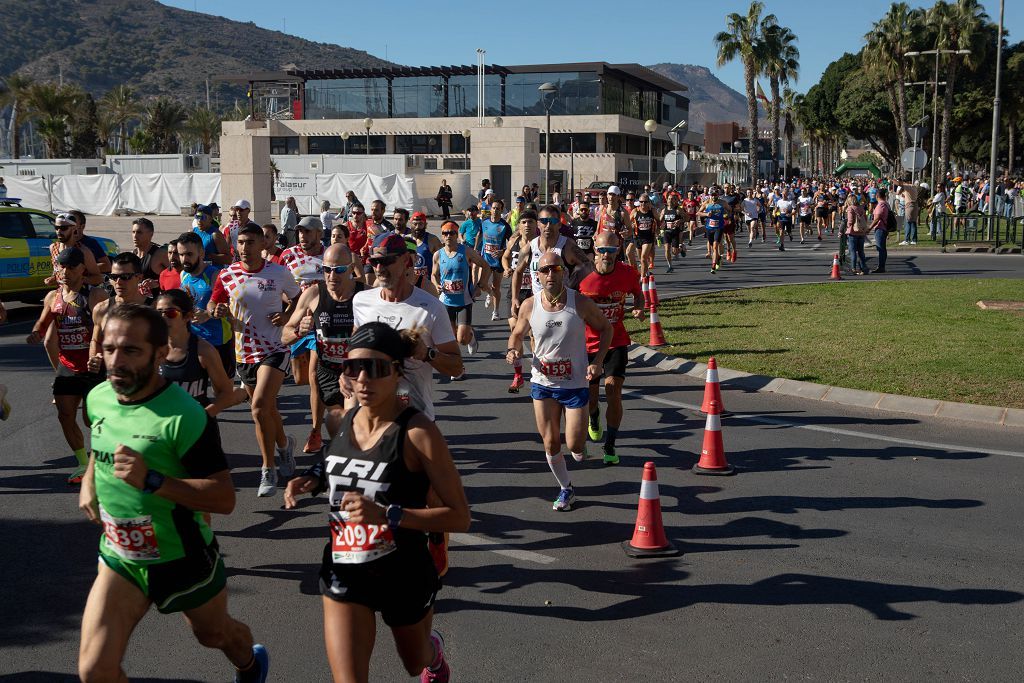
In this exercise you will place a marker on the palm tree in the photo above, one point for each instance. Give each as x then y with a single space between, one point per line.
1013 106
203 126
790 103
743 39
52 105
889 39
165 122
781 65
121 107
15 92
959 26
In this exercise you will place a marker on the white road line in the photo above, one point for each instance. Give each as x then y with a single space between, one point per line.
833 430
489 543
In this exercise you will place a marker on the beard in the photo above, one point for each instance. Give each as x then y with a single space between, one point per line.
127 382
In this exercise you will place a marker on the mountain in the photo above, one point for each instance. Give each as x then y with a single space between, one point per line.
710 99
158 50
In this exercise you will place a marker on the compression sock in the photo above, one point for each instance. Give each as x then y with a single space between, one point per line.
82 456
595 419
558 468
610 435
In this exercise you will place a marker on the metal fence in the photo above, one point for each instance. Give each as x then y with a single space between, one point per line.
979 228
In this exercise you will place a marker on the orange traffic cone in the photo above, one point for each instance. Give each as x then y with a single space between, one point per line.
652 291
712 391
835 268
712 455
647 291
657 335
649 538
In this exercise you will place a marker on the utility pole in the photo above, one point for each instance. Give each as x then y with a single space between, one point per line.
995 123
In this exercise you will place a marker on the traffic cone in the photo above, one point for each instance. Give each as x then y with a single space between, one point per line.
835 268
652 291
649 538
657 335
712 455
712 391
647 291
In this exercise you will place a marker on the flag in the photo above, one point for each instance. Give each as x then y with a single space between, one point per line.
761 96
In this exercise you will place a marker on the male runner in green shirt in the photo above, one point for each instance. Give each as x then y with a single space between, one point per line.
156 466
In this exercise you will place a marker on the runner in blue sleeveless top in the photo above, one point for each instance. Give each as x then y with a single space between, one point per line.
454 278
496 233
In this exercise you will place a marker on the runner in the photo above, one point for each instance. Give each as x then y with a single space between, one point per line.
608 286
784 207
126 279
304 261
714 214
68 310
68 237
519 248
249 293
377 558
496 233
672 219
549 239
615 217
376 223
690 207
471 230
426 244
359 243
216 247
646 226
458 280
240 210
272 251
561 372
584 228
198 279
170 278
192 362
751 209
89 243
821 211
154 259
157 466
730 202
325 311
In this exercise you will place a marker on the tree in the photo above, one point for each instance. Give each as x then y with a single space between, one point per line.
889 39
83 128
51 105
15 93
1013 105
203 126
863 113
790 102
164 121
781 65
743 39
120 107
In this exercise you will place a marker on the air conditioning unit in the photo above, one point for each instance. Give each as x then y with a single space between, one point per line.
26 171
314 166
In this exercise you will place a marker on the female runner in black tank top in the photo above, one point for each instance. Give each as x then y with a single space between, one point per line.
191 362
646 222
377 472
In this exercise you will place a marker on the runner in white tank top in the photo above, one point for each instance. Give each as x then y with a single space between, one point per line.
536 251
549 240
558 317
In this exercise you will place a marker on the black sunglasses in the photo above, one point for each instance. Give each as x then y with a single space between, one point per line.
112 277
375 368
449 233
385 261
549 269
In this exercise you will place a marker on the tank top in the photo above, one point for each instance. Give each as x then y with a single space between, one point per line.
670 216
645 223
424 258
560 346
333 320
379 473
74 329
536 253
147 259
609 222
456 286
583 231
189 373
715 212
526 284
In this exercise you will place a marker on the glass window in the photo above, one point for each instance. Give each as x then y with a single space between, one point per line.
462 95
613 143
581 142
611 96
284 145
356 144
347 98
13 226
418 144
460 145
42 225
418 97
578 93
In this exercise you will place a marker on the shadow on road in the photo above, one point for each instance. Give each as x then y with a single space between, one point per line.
54 677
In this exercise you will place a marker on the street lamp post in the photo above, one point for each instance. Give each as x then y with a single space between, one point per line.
547 91
465 149
935 98
650 125
368 124
572 169
995 123
737 145
344 142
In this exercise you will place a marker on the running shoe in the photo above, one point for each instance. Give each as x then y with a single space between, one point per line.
517 382
459 378
903 243
286 459
682 252
912 242
609 455
440 673
260 669
472 347
494 315
314 443
594 431
750 244
76 477
566 497
268 483
487 301
669 269
437 544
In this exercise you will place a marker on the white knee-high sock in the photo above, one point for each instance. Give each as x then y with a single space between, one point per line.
557 464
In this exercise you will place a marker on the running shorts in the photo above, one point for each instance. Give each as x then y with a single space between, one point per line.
303 346
644 237
70 383
328 387
821 211
226 351
179 585
805 218
402 586
671 237
570 398
713 235
614 363
460 315
247 371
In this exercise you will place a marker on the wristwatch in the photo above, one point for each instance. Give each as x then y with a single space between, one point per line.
154 480
394 514
431 354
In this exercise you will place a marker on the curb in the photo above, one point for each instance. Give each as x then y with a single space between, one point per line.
925 407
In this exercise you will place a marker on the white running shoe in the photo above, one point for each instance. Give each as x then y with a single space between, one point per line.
472 347
494 315
286 459
903 243
268 483
487 301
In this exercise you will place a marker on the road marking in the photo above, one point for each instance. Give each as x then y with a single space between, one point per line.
489 543
834 430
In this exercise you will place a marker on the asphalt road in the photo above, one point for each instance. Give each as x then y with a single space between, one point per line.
852 545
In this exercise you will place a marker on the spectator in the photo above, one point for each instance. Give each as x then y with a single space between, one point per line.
350 201
444 199
880 225
289 219
3 189
856 230
327 217
938 209
909 194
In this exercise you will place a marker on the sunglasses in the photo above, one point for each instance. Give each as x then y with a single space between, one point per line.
358 213
170 313
385 261
549 220
606 250
62 228
449 233
123 277
375 368
336 270
549 269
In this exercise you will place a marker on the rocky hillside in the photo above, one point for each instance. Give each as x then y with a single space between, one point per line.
710 98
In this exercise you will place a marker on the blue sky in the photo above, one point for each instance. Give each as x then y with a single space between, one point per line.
419 33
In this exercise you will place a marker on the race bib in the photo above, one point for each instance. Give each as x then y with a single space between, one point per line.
73 339
358 543
556 369
585 243
131 538
493 250
452 286
714 224
613 312
333 349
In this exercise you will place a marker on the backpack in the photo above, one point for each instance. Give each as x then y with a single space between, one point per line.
890 220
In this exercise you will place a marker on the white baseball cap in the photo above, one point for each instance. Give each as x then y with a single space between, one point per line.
488 191
242 204
614 189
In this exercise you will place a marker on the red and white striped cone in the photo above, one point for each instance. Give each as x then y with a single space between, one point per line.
652 291
835 268
712 390
712 455
649 539
646 287
657 337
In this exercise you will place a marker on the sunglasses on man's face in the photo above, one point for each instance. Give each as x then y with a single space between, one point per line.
375 368
549 220
170 313
449 233
123 277
606 250
544 270
382 261
336 270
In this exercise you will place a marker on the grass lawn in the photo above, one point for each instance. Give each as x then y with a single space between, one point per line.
921 338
